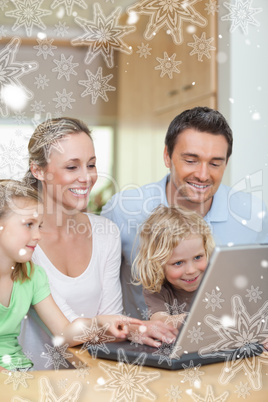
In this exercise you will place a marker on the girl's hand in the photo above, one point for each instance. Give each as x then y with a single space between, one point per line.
118 324
153 333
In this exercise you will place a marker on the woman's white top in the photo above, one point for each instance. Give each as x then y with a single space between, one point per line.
96 291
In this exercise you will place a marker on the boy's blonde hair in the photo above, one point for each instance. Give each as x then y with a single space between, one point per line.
159 235
10 190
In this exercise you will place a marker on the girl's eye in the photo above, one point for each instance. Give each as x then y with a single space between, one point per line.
71 167
198 257
29 224
178 263
91 166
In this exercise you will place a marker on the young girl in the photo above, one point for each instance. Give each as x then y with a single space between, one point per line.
23 284
175 245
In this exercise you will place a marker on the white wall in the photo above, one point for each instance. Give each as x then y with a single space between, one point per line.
243 88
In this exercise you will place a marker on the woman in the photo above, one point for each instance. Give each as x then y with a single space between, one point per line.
80 252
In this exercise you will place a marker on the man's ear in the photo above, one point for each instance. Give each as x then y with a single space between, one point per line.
167 158
37 172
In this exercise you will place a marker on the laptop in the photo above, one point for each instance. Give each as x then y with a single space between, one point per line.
228 318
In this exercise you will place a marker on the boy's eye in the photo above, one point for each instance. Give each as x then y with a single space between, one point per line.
198 257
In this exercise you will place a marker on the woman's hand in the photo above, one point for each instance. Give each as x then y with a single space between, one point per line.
152 333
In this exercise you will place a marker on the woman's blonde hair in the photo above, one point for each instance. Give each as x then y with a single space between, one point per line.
45 137
159 235
10 190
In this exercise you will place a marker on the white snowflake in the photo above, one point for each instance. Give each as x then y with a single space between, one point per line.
3 4
37 107
96 85
103 35
94 338
41 81
64 100
242 390
201 46
173 393
11 72
146 314
19 117
210 396
212 7
61 29
213 300
82 369
65 67
254 294
13 156
170 14
241 15
28 13
3 32
128 381
56 356
45 47
167 351
69 5
17 375
241 342
48 394
168 65
191 373
195 335
144 50
136 338
176 313
62 383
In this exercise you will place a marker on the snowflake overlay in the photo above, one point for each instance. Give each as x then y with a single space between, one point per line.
241 15
146 314
136 338
64 100
201 46
94 338
167 351
242 390
191 373
169 14
210 396
17 375
12 156
82 369
41 81
242 342
195 335
128 381
212 7
144 50
56 356
213 300
45 47
103 35
97 85
176 313
65 67
28 13
61 29
48 394
10 72
168 65
173 393
254 294
69 5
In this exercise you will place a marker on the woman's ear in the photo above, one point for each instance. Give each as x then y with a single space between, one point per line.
36 171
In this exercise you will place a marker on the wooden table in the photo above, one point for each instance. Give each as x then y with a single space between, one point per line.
97 380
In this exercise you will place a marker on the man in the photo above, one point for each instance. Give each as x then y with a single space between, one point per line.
198 145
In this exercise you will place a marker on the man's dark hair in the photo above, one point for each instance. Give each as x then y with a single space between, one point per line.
201 119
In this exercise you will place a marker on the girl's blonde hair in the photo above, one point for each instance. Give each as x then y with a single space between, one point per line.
10 190
159 235
45 137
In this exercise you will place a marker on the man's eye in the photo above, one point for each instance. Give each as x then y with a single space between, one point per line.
190 161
